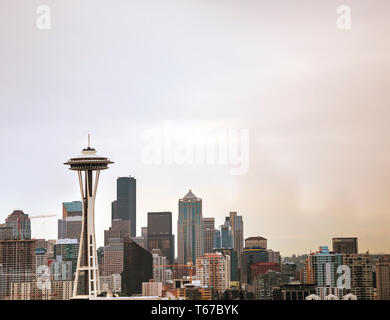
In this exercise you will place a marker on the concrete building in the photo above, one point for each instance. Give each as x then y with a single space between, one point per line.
261 268
159 234
345 245
113 257
361 272
266 283
61 270
17 264
119 229
57 290
152 288
213 270
159 266
67 250
256 242
383 278
234 274
294 292
321 270
208 234
289 270
111 283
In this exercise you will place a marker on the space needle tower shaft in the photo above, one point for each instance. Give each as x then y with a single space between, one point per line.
88 166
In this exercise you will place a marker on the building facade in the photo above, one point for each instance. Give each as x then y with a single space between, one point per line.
213 270
345 245
17 264
159 234
208 234
124 208
137 268
189 229
383 278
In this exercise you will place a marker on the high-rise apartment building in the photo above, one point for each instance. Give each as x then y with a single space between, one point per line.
383 278
67 250
213 270
345 245
159 266
189 229
208 234
152 289
159 234
17 264
234 275
321 270
266 283
124 208
361 272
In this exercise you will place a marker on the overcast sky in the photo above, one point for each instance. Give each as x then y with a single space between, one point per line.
314 98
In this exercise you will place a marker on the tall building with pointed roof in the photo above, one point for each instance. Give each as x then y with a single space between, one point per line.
190 229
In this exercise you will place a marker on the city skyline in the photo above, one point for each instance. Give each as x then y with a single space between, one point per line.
312 100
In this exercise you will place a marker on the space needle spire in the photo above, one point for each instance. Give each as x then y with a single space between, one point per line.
88 166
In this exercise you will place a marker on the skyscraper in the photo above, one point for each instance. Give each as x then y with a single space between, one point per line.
208 234
159 234
237 226
124 208
69 227
322 267
383 278
362 280
189 229
213 270
345 245
72 209
137 268
20 224
87 282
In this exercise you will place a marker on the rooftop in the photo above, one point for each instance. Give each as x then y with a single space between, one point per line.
190 196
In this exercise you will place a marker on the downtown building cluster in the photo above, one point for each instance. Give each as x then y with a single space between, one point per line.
212 262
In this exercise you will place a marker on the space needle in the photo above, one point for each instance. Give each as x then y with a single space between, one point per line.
88 166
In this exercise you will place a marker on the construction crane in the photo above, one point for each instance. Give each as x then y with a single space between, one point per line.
33 217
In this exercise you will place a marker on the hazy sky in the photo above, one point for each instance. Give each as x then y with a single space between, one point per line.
314 98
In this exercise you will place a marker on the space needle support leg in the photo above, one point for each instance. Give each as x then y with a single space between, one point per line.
95 263
76 281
